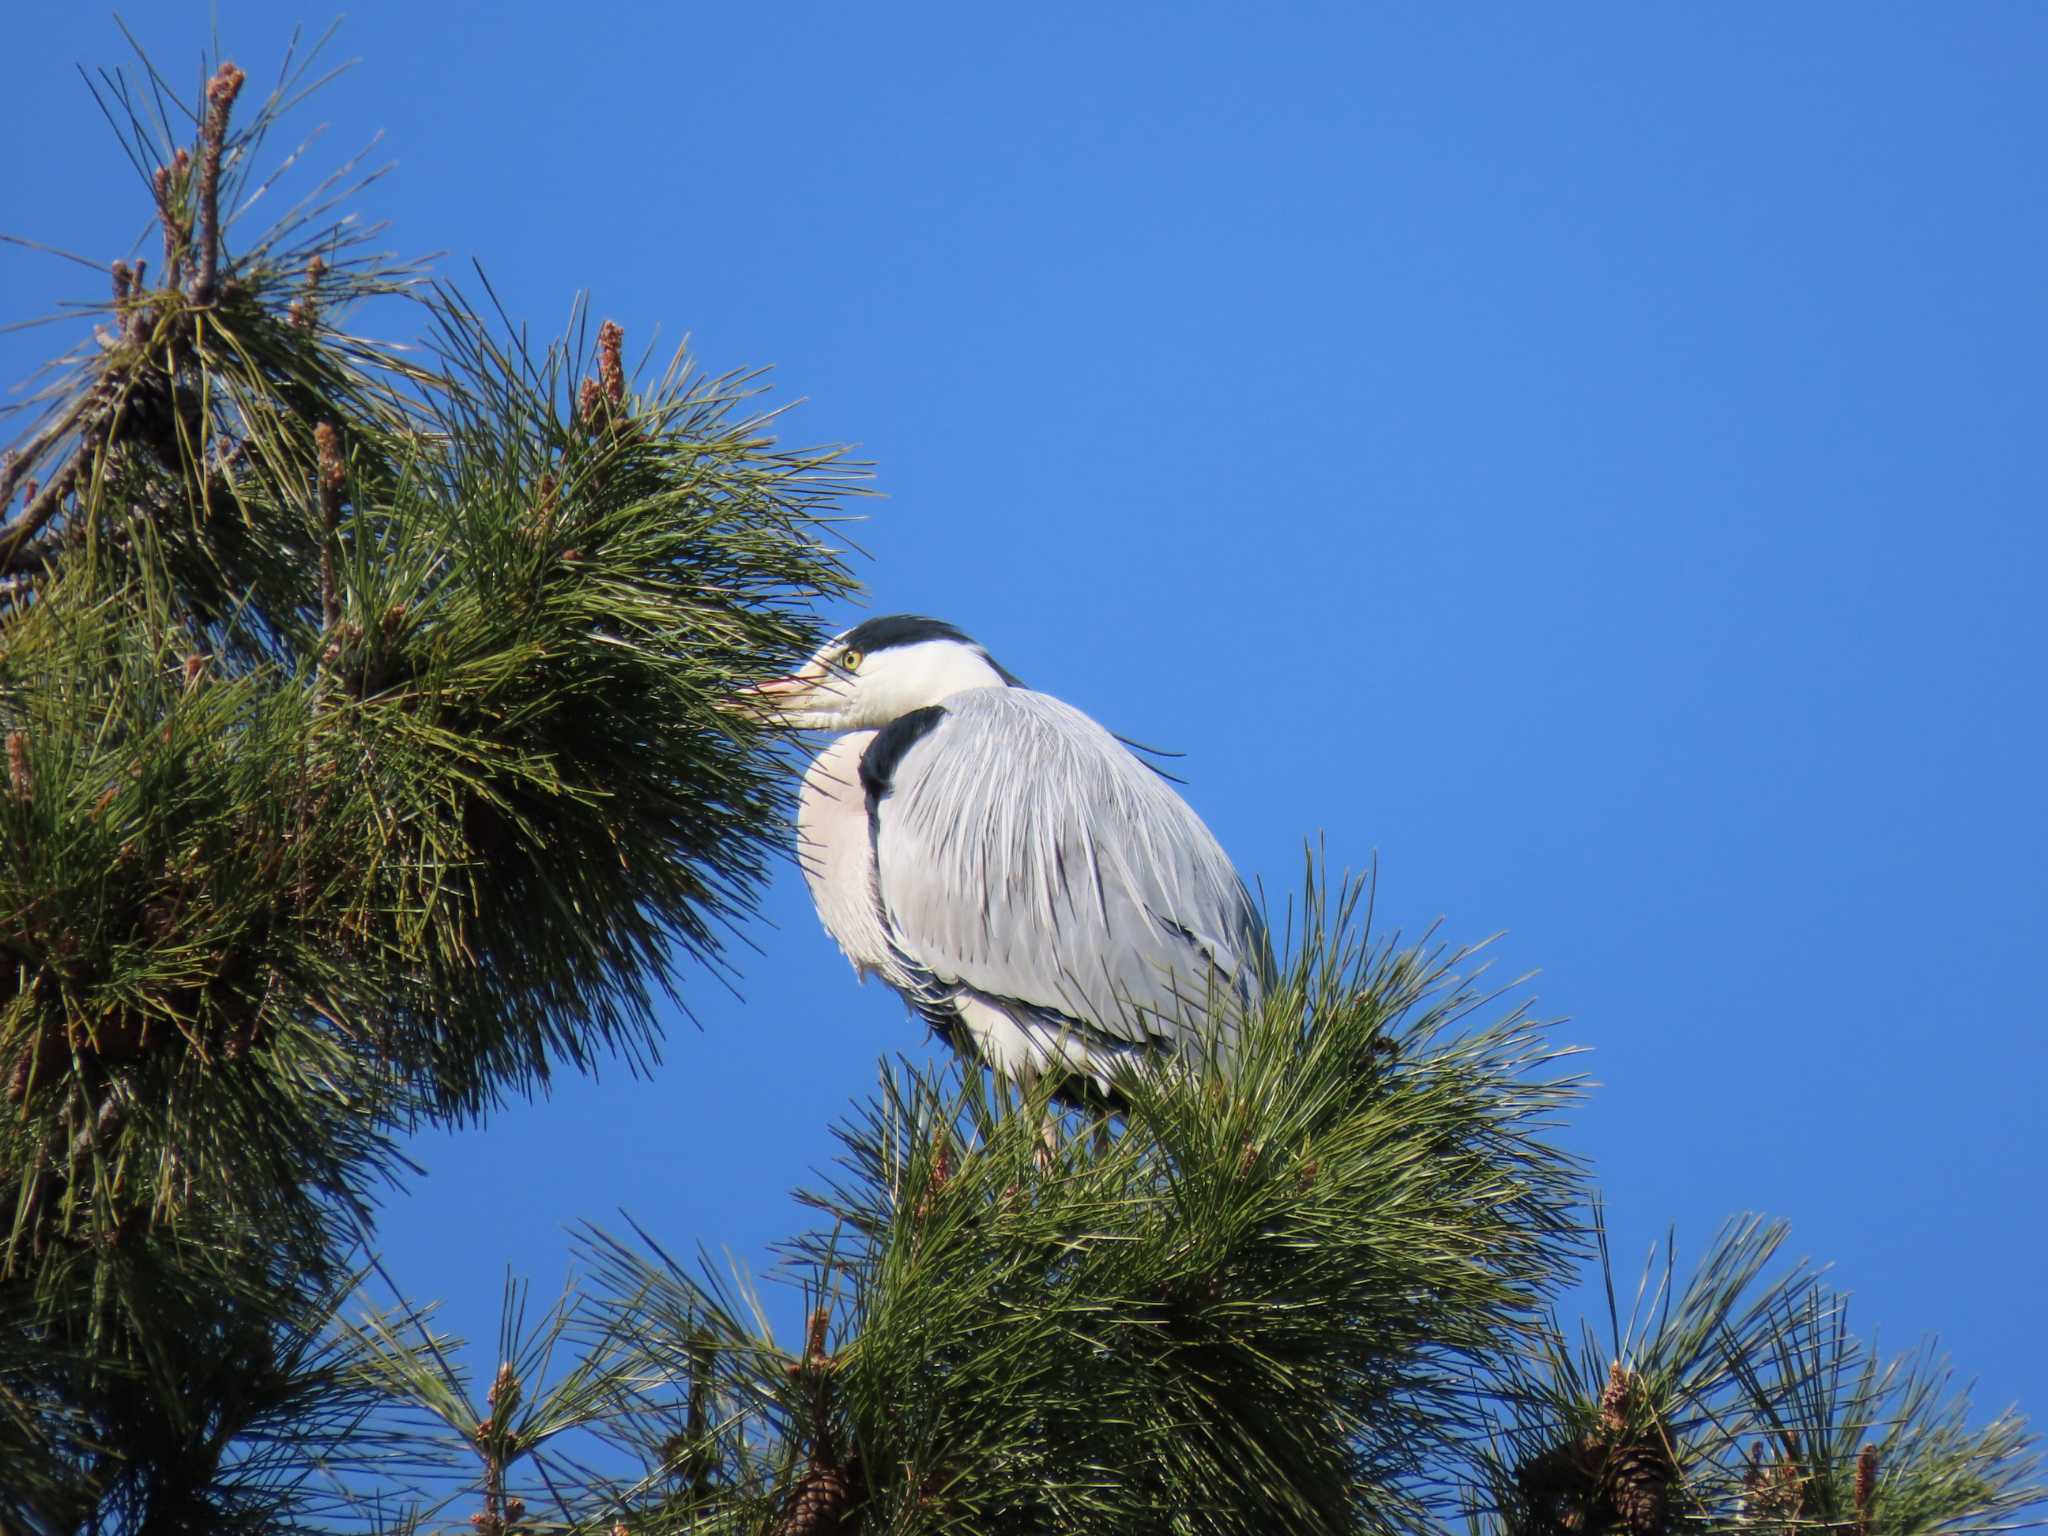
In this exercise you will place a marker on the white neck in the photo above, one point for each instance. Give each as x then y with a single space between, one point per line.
945 670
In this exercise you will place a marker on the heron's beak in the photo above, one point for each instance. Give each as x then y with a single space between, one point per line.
765 700
800 700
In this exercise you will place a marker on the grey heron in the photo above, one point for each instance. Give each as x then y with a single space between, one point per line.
1042 897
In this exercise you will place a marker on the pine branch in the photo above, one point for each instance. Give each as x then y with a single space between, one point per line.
1260 1301
1748 1405
488 748
341 793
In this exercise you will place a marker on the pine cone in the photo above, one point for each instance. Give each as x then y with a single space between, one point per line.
1559 1488
1639 1482
821 1504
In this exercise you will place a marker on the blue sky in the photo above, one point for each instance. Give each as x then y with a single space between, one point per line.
1589 457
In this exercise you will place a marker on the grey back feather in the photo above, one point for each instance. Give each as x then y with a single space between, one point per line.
1023 852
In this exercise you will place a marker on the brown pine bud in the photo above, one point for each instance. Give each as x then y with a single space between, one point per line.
333 469
1615 1400
814 1341
611 366
942 1170
223 88
1773 1491
542 523
307 305
17 766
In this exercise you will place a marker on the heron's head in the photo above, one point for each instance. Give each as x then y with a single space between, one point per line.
877 671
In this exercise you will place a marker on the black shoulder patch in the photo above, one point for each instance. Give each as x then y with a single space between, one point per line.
878 762
899 629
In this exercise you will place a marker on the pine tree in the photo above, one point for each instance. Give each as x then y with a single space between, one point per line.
366 765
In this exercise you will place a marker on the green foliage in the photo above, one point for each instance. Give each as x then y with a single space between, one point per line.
366 761
1743 1402
1307 1292
242 1408
1258 1306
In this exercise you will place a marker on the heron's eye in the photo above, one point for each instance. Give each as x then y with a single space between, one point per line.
850 660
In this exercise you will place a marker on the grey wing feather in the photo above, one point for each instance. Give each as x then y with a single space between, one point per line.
1021 851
